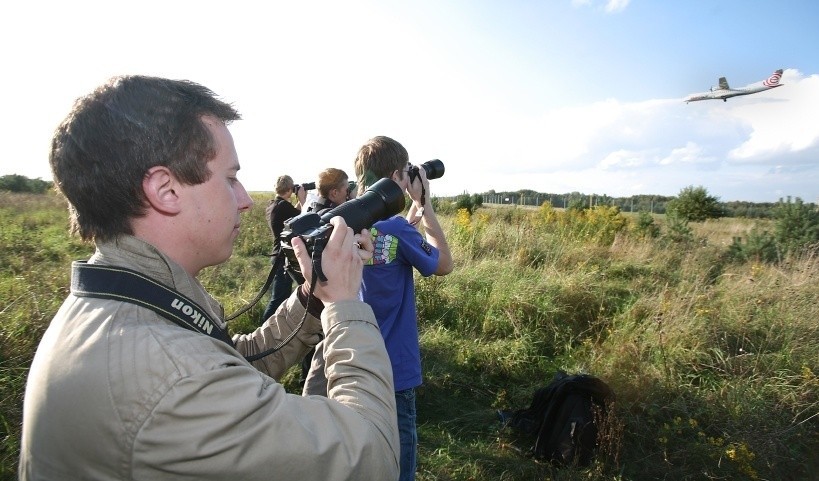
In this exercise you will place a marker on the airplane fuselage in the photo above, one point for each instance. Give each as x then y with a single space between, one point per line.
725 94
724 91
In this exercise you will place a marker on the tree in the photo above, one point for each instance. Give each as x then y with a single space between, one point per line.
477 200
465 201
797 225
645 225
21 183
693 204
577 203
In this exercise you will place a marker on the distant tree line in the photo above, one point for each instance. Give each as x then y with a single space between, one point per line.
655 204
692 197
21 183
693 203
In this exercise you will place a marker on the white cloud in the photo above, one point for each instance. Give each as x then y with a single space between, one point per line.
785 121
610 6
621 158
613 6
690 154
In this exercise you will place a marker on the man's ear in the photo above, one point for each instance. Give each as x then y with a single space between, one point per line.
160 187
396 176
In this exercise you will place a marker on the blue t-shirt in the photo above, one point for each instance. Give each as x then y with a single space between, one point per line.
389 289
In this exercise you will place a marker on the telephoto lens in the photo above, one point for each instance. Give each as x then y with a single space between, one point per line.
434 169
382 200
305 186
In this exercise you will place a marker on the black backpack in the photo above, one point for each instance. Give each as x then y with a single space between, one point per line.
565 416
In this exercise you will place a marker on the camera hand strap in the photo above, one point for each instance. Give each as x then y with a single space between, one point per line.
277 263
118 283
420 212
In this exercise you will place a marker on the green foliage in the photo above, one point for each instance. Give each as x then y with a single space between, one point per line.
443 206
796 231
20 183
477 200
760 246
677 229
35 252
750 210
468 202
695 205
655 204
576 204
600 223
714 363
797 225
645 226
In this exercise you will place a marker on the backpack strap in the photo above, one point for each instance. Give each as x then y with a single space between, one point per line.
126 285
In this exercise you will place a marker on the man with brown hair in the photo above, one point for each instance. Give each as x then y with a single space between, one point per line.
120 390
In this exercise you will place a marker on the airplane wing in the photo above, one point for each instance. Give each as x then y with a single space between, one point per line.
723 84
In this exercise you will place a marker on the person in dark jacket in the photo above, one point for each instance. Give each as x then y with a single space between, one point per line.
279 210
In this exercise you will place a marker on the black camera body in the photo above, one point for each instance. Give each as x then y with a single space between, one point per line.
382 200
305 186
434 169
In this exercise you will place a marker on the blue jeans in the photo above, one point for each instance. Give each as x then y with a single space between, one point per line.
282 287
405 405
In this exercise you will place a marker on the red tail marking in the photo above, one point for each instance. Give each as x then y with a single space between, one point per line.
772 80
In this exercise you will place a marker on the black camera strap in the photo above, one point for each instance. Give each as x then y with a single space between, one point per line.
277 262
126 285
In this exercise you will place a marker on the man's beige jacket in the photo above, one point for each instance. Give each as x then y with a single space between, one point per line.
116 391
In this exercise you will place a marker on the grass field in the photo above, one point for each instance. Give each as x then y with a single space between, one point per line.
714 361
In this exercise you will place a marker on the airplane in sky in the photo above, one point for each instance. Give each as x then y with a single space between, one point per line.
724 92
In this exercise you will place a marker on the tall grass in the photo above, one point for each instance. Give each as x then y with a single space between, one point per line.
714 361
35 252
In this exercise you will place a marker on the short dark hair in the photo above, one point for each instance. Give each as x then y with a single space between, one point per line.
102 150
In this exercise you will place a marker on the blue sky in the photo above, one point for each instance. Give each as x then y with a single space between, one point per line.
554 96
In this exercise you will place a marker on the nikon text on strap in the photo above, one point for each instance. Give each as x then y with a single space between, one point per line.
118 283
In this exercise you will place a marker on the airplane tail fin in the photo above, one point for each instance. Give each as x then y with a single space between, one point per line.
773 80
723 84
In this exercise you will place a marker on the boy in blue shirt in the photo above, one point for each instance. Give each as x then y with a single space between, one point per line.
401 245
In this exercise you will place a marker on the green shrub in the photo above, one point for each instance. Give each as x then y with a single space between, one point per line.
760 246
443 206
695 205
468 202
645 225
796 231
796 226
677 229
